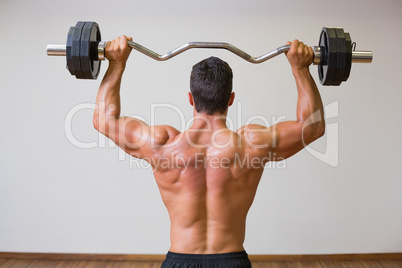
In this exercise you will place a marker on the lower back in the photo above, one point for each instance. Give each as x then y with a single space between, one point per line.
198 239
207 213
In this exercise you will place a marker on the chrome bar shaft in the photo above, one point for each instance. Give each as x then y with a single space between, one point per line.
218 45
56 50
362 56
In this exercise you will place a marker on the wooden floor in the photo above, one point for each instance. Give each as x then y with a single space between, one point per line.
18 263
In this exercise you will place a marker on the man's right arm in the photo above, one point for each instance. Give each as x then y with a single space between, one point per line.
289 137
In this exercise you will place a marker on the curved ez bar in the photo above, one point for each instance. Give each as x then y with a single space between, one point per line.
191 45
357 56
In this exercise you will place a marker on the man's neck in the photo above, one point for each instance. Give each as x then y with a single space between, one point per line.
209 122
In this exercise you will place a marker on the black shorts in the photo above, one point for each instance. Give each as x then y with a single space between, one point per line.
224 260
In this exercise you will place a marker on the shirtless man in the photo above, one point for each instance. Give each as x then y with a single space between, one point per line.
209 174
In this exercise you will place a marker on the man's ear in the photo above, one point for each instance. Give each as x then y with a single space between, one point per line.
190 99
232 97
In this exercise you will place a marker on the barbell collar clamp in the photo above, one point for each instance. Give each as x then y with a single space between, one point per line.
101 50
317 55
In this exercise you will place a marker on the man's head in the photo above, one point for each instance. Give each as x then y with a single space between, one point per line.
211 86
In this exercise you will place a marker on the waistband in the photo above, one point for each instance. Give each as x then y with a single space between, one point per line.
206 257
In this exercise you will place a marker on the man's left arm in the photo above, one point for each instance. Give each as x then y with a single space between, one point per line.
132 135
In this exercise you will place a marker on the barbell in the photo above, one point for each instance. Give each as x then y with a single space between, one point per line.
334 55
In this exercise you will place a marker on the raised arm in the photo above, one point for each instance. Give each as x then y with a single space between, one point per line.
107 108
287 138
132 135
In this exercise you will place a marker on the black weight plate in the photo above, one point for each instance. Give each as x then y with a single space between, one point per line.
348 62
96 62
90 64
327 71
70 66
322 68
85 55
75 51
341 56
69 59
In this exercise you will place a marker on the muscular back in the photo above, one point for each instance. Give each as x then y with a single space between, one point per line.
208 189
208 175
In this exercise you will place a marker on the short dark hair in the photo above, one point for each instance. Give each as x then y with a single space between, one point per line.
211 85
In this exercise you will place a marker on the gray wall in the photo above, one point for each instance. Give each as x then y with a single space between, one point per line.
342 195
